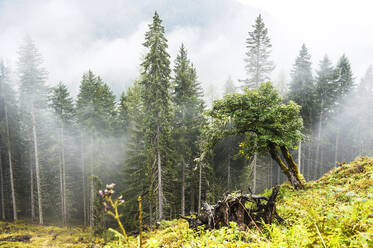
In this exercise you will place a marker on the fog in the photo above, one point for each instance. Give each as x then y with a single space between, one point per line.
74 36
110 138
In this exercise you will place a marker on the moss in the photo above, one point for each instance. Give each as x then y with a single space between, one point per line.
334 211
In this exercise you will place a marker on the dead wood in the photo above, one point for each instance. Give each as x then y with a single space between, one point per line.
246 210
18 238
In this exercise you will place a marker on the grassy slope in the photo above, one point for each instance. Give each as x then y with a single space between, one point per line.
335 211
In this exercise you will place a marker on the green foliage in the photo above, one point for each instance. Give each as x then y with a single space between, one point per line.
156 97
95 106
302 89
260 117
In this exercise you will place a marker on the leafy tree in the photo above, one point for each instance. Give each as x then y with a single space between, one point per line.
258 64
156 97
265 123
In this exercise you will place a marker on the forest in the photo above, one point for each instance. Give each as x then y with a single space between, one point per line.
170 147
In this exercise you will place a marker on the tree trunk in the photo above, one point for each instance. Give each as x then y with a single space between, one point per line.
291 170
61 177
229 174
300 155
83 178
317 157
2 188
10 160
31 185
183 188
159 167
199 187
336 146
192 196
38 187
92 195
254 174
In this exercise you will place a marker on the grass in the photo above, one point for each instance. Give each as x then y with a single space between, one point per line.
334 211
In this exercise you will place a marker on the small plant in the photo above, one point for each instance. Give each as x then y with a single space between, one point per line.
109 204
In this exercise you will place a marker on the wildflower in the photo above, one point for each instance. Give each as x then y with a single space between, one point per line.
101 193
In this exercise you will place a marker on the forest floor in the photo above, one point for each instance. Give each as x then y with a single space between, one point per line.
334 211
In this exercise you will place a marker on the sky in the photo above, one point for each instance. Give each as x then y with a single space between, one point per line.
74 36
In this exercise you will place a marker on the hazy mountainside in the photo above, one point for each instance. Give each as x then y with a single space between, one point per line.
334 211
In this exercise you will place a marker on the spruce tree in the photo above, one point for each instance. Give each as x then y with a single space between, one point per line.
137 173
156 96
258 63
302 89
258 66
326 92
344 81
188 116
63 107
32 99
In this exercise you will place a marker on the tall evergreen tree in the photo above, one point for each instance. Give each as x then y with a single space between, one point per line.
258 63
326 91
157 101
4 100
344 81
63 107
32 98
188 116
137 173
302 89
96 114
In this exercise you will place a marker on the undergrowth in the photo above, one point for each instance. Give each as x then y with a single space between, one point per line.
334 211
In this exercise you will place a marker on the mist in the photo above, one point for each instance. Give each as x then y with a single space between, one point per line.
127 95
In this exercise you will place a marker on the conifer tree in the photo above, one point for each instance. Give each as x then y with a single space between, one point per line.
32 98
344 82
258 63
157 101
188 115
326 92
96 114
302 86
302 91
4 100
63 107
137 173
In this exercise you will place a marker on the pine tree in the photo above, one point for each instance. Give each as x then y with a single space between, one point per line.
188 116
137 173
326 91
344 81
32 98
302 89
63 107
258 64
4 99
157 100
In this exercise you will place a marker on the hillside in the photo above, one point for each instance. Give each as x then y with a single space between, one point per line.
334 211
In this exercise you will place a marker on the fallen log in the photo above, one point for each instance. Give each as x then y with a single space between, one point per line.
18 238
246 210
